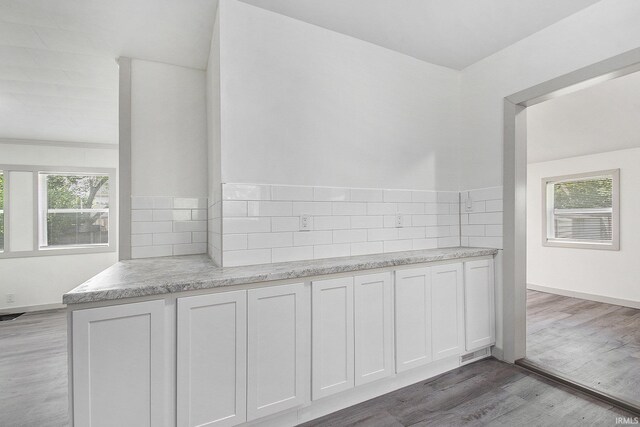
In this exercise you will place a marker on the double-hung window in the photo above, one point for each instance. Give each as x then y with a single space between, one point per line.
582 211
74 210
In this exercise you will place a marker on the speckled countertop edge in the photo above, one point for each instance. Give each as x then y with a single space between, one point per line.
159 276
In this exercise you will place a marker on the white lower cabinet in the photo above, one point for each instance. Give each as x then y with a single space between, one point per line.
333 336
119 365
479 304
277 344
211 359
413 318
447 310
373 299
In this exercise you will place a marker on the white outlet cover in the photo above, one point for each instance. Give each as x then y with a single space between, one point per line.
305 222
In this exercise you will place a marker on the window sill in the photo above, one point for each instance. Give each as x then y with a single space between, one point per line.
59 251
614 246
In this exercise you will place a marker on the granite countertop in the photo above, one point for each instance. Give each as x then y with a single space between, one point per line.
158 276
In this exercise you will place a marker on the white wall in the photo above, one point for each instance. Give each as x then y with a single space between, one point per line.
168 130
307 106
611 274
37 281
606 29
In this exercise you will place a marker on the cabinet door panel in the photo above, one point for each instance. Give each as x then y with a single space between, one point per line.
119 365
373 327
277 350
333 336
211 364
479 304
448 310
413 318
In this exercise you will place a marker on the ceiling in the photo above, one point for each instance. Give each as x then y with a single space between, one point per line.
58 71
604 117
452 33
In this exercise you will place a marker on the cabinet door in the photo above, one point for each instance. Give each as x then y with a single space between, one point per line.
332 324
413 318
277 374
119 365
447 295
211 359
373 327
479 304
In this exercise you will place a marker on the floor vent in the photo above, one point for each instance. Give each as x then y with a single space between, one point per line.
479 354
9 316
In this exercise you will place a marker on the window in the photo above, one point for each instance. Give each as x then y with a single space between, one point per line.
1 212
74 210
581 211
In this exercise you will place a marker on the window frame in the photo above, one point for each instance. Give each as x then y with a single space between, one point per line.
615 212
37 251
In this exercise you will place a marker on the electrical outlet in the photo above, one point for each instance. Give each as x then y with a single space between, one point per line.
399 221
305 222
11 298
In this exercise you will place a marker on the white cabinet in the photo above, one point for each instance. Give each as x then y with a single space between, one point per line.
447 314
373 327
479 304
278 355
211 359
119 365
333 336
413 318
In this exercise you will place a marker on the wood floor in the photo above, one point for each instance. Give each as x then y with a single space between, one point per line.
33 390
592 343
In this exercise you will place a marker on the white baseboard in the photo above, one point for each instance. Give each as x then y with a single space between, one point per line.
584 295
31 308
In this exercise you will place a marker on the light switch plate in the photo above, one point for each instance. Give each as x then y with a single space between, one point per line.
305 222
399 221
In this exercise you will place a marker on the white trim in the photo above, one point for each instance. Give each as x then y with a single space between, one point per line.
584 295
32 308
73 144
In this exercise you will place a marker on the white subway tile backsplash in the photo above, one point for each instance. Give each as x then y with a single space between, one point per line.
330 251
291 192
270 240
162 202
366 195
331 194
411 208
485 218
296 253
382 234
311 208
331 223
366 248
189 203
349 236
432 208
493 206
198 214
398 245
482 225
424 220
190 249
349 208
310 238
473 230
141 202
411 233
246 192
234 208
199 237
151 227
232 242
141 240
493 230
246 257
171 238
246 225
448 196
189 226
397 195
425 244
269 208
374 221
285 223
141 215
424 196
382 208
151 251
448 242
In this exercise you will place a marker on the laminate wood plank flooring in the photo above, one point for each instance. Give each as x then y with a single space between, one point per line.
592 343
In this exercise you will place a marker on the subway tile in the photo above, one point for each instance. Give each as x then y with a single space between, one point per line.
424 196
366 248
151 227
485 218
425 244
189 226
443 231
331 251
172 215
486 242
190 249
349 236
247 257
371 221
309 238
447 219
432 208
232 242
464 241
473 230
141 202
398 245
151 251
284 223
431 232
389 221
424 220
492 193
494 206
296 253
454 230
411 233
382 208
311 208
198 214
366 195
382 234
270 240
493 230
448 242
448 196
454 208
246 225
141 215
411 208
331 194
189 203
291 192
349 208
171 238
269 208
234 208
141 239
443 208
162 202
331 223
464 219
397 195
476 206
246 192
199 237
